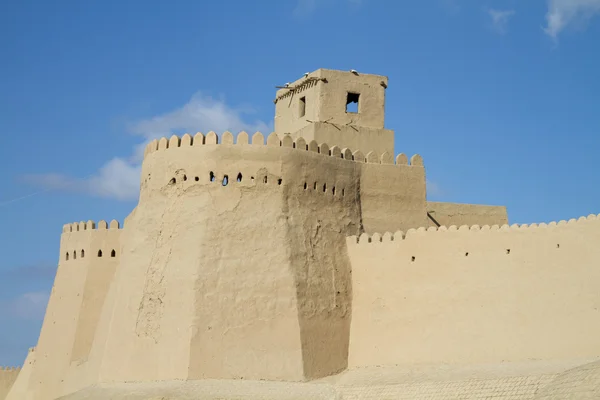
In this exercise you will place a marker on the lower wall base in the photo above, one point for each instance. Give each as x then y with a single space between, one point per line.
506 381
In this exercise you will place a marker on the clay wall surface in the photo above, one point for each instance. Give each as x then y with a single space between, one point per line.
21 388
63 336
393 196
448 214
332 97
8 376
287 105
270 316
476 295
355 137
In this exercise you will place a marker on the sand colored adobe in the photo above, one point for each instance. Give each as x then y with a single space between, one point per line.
308 264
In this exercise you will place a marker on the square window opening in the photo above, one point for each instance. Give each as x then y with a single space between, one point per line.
302 108
352 102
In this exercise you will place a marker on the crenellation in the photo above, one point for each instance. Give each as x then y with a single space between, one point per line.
476 229
347 154
387 158
227 138
287 141
300 144
258 139
211 138
198 139
358 156
401 159
174 142
78 238
372 158
163 143
243 138
186 140
273 140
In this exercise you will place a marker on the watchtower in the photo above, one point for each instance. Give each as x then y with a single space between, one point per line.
342 108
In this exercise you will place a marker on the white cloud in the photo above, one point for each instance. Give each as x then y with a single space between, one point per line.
119 178
433 189
27 306
562 13
500 19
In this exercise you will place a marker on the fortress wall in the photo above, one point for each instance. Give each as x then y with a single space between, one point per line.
60 329
182 274
21 386
360 138
476 295
179 300
447 214
393 196
8 376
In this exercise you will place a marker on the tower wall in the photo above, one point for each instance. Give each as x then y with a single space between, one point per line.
21 380
64 337
476 296
204 265
255 294
8 376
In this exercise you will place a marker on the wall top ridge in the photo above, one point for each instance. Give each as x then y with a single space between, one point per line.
273 140
91 225
400 235
10 369
306 83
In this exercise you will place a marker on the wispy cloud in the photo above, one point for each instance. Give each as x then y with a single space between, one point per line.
433 190
27 306
500 19
562 13
119 177
27 273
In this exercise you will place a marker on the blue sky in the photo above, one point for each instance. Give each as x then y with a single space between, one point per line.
501 99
